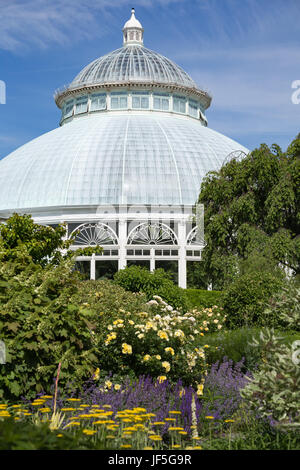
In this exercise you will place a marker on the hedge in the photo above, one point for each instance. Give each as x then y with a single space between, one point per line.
202 298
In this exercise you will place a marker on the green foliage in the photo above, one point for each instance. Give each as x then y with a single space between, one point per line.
237 345
251 210
42 243
106 298
41 327
27 436
234 345
202 298
254 434
39 324
137 279
284 309
274 390
244 300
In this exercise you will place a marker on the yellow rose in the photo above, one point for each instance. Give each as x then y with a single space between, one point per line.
170 350
161 378
126 348
166 365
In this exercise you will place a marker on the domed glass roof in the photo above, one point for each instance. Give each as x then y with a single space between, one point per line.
113 159
133 63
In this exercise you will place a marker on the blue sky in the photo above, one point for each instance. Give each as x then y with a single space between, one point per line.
246 53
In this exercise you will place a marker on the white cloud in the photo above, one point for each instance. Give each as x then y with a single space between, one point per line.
42 22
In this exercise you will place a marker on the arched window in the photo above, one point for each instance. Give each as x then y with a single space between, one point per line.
193 239
92 234
152 234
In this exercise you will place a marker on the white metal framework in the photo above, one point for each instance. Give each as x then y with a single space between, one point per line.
152 236
92 234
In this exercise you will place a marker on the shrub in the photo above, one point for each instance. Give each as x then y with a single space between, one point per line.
274 390
284 309
158 342
41 327
105 297
237 345
244 300
233 345
137 279
203 298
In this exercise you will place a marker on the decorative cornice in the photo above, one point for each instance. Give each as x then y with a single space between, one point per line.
61 95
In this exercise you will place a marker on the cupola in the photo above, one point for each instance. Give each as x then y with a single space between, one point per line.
133 31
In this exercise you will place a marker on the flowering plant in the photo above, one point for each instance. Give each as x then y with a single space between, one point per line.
161 341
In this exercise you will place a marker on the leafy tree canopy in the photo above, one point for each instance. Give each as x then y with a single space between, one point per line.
40 243
252 217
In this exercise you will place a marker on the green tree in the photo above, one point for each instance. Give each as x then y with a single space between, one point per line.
252 217
38 321
43 244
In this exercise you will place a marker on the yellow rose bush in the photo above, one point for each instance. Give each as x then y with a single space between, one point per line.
159 341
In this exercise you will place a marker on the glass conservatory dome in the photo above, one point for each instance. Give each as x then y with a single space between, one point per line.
124 168
107 159
125 144
133 63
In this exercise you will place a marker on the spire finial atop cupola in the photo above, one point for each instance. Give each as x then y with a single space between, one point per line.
133 31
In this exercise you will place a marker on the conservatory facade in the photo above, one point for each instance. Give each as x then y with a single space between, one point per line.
124 168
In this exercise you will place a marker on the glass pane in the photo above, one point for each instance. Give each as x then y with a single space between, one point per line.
141 263
106 269
81 105
193 110
145 103
171 267
136 102
84 267
165 104
114 103
98 102
123 102
175 104
68 109
156 103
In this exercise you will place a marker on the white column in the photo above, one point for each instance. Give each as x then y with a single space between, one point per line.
122 243
93 267
182 254
152 259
